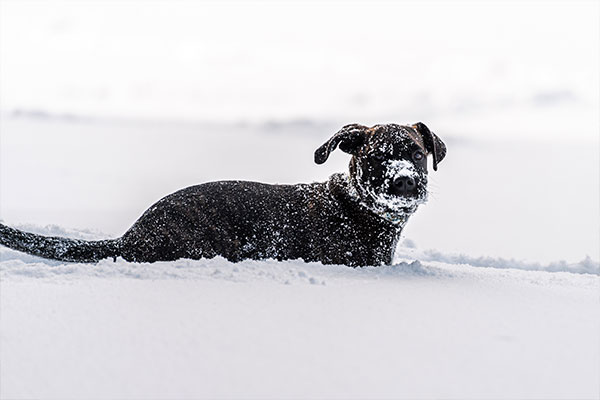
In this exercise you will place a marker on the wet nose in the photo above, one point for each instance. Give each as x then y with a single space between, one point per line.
405 185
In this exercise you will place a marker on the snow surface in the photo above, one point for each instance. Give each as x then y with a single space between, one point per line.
438 327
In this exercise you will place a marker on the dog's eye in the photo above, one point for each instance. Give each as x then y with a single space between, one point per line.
418 155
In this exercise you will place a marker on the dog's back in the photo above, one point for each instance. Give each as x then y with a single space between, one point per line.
233 219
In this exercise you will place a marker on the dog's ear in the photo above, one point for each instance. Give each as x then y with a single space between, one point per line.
433 144
350 138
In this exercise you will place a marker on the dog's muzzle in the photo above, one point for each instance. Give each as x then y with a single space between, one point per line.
404 186
398 196
403 180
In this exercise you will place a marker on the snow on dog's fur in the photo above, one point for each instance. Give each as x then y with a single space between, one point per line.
382 202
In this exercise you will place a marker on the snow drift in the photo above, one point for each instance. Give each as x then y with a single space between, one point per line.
434 326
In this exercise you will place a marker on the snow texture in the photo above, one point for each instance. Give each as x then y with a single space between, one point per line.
267 329
431 325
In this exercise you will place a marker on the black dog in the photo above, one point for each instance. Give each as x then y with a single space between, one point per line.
353 219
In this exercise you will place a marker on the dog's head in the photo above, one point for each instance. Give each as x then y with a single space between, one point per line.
388 170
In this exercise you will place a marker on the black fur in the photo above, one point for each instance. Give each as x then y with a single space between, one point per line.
335 222
58 248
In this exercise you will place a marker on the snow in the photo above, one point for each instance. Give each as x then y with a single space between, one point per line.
431 325
213 329
397 169
494 289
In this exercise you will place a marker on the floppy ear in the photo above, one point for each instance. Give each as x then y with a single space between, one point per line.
433 144
350 138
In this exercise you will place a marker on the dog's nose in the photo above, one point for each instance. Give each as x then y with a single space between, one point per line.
405 185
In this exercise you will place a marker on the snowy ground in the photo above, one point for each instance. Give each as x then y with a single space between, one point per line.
213 329
105 107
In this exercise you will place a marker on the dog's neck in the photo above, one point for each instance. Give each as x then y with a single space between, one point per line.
343 181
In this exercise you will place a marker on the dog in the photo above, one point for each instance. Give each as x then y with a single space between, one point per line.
352 219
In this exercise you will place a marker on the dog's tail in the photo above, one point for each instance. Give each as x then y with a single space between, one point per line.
58 248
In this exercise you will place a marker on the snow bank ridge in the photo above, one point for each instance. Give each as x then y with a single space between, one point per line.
585 266
16 264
